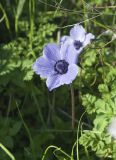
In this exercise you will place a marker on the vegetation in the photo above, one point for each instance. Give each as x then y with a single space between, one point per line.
32 118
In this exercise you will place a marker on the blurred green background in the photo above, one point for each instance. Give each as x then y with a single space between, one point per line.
31 117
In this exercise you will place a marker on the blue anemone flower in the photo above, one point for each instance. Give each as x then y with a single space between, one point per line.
57 65
78 38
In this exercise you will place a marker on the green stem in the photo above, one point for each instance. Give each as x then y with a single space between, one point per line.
56 149
16 26
28 132
79 124
73 106
7 151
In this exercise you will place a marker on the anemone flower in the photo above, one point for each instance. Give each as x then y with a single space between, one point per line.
56 65
78 39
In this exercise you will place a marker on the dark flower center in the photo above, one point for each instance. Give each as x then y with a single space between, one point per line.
61 67
77 44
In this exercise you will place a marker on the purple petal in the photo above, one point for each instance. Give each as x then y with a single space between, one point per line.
88 39
64 39
69 53
78 33
53 81
52 51
43 67
70 75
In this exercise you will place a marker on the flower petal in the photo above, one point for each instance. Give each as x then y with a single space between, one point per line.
78 33
88 38
69 53
64 39
52 51
112 128
53 81
43 67
70 75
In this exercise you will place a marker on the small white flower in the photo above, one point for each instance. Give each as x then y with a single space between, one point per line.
112 128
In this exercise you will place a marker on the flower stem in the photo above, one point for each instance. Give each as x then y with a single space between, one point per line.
73 105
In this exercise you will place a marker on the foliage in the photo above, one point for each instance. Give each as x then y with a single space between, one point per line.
31 118
100 102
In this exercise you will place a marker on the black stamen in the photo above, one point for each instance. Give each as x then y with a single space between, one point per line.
77 44
61 67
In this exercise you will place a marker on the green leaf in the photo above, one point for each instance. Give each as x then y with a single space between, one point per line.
100 122
8 141
20 8
88 102
16 128
103 88
89 58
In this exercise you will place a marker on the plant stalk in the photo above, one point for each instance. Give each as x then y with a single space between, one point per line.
73 105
